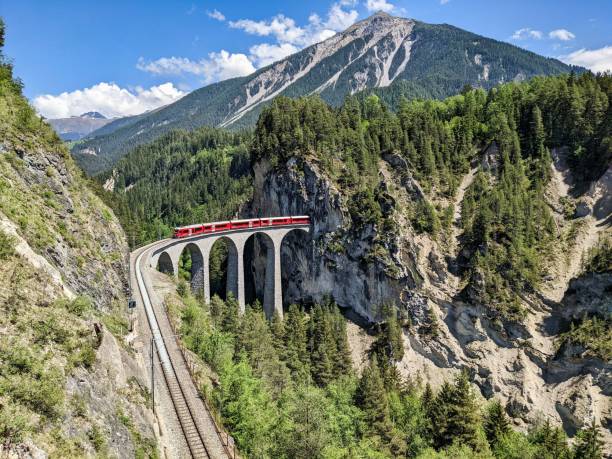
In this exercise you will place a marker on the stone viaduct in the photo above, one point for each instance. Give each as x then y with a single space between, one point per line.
166 257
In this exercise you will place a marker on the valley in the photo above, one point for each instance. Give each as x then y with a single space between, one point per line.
394 242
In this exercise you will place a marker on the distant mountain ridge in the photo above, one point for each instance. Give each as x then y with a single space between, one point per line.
382 52
77 127
93 115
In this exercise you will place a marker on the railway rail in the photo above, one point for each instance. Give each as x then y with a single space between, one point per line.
195 439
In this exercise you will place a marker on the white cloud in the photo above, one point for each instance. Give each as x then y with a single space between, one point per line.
216 14
597 60
289 38
218 66
522 34
224 65
379 5
561 34
338 19
281 27
285 30
265 53
444 2
108 99
171 66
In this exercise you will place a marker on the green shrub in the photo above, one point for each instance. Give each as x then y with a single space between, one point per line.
79 306
599 258
182 288
7 246
364 209
86 357
79 408
14 424
593 334
42 392
425 218
97 439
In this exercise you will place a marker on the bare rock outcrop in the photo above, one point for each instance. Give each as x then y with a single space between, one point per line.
364 267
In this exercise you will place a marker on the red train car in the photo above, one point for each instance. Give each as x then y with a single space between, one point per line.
300 220
206 228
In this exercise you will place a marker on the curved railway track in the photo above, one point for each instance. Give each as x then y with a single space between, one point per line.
194 438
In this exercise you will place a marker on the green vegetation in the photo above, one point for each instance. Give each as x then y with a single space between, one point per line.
441 64
7 245
592 334
181 178
589 444
508 227
144 448
598 258
42 345
47 338
288 389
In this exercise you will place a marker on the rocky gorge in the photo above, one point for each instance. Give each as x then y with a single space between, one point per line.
363 267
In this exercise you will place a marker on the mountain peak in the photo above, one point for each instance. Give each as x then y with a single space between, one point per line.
93 115
411 58
381 14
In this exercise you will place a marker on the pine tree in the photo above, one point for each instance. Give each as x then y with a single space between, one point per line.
277 328
343 364
428 399
496 423
309 434
589 444
256 340
322 346
551 441
393 335
455 414
229 317
371 397
296 354
438 412
537 135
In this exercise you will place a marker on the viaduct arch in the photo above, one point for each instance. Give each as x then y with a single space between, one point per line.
167 255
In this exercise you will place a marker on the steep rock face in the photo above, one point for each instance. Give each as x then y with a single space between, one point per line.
588 295
517 363
335 260
70 387
65 222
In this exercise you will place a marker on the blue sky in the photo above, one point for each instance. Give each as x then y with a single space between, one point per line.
124 57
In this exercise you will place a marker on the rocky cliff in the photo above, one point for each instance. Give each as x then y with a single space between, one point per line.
339 260
363 267
69 386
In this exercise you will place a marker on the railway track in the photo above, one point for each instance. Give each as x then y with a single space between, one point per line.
193 436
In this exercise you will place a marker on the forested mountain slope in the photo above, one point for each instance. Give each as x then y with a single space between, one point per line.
407 57
202 175
464 216
381 187
66 388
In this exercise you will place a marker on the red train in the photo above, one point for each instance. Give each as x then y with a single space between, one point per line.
215 227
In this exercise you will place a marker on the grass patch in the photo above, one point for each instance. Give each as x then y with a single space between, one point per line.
144 447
